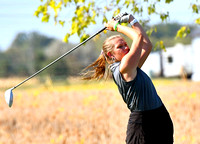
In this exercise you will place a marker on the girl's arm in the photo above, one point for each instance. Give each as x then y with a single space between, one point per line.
147 45
130 61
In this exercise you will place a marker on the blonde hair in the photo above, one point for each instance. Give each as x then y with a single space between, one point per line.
97 70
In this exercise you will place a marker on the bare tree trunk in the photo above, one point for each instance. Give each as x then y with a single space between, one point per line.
161 63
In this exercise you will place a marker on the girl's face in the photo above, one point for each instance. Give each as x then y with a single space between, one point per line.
120 49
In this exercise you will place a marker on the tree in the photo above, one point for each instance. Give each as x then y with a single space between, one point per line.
25 54
166 33
4 65
86 13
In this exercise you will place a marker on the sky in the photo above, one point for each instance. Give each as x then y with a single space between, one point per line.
17 16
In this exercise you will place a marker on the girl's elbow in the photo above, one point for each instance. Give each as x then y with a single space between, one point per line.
150 46
140 36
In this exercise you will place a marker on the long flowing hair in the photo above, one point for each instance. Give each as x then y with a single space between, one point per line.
98 69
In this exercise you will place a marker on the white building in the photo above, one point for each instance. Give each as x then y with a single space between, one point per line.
180 60
196 59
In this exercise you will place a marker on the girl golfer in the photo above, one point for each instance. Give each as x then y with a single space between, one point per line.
149 121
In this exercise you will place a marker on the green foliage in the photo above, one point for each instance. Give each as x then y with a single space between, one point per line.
4 65
164 16
151 30
30 52
86 12
22 58
159 45
196 9
163 30
151 9
61 22
197 21
84 37
168 1
166 33
183 32
57 70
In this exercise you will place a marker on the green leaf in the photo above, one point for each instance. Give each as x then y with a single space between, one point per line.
52 4
164 16
65 2
81 1
168 1
116 12
45 18
93 14
40 8
151 9
61 22
160 45
59 5
65 39
135 9
127 3
182 32
195 8
197 21
84 37
36 13
104 19
74 28
79 11
150 31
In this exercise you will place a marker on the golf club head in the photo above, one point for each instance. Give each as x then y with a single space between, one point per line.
9 97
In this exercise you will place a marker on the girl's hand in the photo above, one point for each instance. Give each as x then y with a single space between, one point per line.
124 18
110 25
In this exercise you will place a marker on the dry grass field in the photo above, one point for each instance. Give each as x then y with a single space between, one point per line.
77 112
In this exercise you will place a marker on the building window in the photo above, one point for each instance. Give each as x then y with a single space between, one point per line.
170 59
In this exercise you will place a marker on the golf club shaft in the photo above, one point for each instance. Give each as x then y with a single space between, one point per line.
60 57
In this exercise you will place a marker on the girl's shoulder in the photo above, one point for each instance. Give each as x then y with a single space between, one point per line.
114 66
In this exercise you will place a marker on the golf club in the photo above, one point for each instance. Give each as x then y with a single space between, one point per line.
9 93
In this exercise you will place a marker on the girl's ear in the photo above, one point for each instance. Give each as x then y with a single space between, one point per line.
109 54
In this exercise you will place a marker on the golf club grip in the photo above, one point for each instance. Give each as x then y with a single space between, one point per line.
71 50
